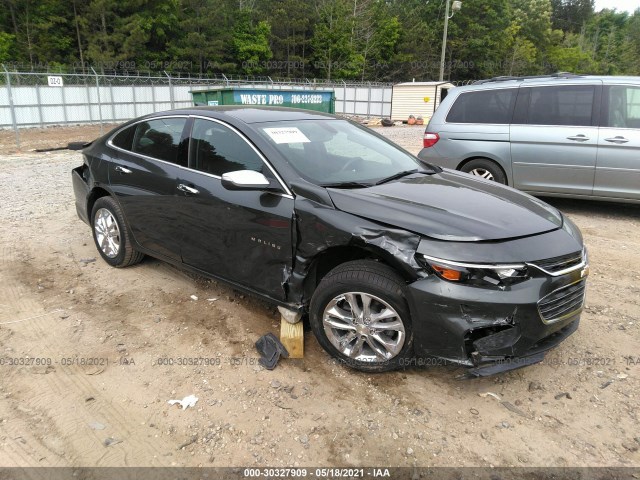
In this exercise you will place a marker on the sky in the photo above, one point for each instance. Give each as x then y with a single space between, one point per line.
620 5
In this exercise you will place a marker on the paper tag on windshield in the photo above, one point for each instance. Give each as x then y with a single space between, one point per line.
287 135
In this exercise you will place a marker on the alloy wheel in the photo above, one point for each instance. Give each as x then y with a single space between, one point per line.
363 327
482 172
107 232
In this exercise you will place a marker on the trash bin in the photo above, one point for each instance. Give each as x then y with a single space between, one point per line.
308 99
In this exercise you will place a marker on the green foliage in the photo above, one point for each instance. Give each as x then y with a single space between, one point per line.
291 30
570 59
251 44
475 48
571 15
388 40
7 42
335 54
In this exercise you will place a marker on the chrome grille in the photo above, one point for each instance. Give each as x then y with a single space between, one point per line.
558 264
563 302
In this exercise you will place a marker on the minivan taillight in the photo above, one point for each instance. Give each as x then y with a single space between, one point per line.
430 139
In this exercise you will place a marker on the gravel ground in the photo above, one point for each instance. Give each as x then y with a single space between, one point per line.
97 394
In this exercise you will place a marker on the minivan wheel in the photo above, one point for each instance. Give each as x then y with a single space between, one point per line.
487 169
110 234
360 317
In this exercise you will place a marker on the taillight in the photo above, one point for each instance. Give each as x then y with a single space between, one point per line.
430 139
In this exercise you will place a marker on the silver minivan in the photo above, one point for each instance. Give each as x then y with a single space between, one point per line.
561 135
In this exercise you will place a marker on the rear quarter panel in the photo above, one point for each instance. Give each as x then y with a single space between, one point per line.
462 142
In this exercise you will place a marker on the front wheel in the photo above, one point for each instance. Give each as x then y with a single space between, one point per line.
485 168
360 316
110 234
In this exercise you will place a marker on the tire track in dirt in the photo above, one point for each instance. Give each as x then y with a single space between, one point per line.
70 382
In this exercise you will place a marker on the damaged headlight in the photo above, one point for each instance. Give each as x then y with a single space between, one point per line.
475 274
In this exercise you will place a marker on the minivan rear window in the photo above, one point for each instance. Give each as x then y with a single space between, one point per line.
485 106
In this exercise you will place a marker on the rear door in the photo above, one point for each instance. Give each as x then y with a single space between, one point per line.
143 173
618 165
241 236
554 138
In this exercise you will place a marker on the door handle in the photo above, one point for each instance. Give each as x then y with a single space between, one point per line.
578 138
616 139
186 189
120 169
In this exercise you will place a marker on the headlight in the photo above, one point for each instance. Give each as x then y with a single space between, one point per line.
473 273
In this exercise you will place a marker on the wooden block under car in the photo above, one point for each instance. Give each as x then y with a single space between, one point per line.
292 337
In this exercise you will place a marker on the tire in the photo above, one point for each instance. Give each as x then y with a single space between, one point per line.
485 168
110 234
383 289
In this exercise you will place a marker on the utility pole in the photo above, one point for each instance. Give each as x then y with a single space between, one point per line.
457 5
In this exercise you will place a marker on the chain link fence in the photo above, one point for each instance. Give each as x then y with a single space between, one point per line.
40 99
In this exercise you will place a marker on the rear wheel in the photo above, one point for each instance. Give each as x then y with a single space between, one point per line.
360 316
485 168
110 234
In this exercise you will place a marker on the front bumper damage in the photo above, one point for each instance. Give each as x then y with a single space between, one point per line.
494 330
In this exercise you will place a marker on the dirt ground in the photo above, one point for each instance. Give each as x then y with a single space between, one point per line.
84 347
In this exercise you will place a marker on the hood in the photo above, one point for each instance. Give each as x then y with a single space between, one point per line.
450 206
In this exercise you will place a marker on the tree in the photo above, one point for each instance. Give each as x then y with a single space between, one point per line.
394 40
568 56
375 36
204 33
418 47
251 44
630 47
571 15
291 29
334 52
6 46
102 33
475 49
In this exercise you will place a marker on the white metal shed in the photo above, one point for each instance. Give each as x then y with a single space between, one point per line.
417 99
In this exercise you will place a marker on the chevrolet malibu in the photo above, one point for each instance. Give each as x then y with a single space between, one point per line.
393 261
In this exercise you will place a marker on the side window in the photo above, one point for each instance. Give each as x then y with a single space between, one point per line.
566 105
217 149
623 107
124 139
486 106
160 138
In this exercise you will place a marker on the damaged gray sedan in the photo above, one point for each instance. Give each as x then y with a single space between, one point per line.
391 259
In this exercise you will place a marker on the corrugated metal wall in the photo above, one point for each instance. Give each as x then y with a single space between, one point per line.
26 100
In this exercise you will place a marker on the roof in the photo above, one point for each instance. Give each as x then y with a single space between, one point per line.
252 114
554 79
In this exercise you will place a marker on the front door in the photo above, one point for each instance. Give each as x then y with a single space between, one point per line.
241 236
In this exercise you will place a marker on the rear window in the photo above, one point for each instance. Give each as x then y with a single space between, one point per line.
490 106
124 139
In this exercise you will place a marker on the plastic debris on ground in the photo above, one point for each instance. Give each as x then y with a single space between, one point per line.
186 402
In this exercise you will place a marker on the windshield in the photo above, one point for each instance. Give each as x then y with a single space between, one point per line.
334 152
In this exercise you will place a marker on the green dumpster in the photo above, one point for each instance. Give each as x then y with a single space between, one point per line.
318 100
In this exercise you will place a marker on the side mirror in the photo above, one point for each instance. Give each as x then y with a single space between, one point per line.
245 180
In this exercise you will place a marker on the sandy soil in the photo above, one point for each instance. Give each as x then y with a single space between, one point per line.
83 346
